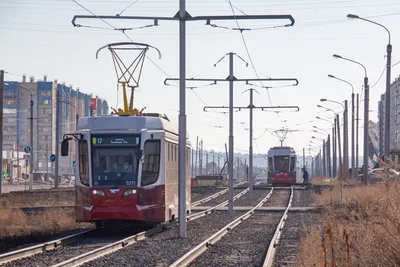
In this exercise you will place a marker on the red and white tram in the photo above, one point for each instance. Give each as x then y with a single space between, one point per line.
281 165
127 169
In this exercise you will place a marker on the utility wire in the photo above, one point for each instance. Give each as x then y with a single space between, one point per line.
119 14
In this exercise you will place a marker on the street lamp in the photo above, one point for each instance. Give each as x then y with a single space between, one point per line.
366 115
353 164
387 93
334 142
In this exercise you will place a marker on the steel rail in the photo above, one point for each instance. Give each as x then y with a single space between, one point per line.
199 249
30 251
206 199
269 258
102 251
212 209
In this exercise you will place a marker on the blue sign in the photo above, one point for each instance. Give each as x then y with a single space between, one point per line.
52 158
27 149
74 163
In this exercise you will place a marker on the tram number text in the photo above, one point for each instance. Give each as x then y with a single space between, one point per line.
130 183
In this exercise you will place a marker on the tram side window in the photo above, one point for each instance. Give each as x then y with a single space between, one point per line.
292 164
270 164
151 163
84 162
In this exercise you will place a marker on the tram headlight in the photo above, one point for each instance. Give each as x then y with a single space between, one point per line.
99 192
129 192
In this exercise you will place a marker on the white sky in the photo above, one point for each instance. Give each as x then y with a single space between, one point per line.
37 38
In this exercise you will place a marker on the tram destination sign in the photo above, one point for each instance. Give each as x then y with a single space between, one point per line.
119 140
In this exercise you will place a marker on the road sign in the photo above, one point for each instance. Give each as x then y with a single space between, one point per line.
27 156
74 163
27 149
52 157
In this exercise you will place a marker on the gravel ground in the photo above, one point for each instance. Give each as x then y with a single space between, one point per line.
279 198
165 248
246 245
86 243
302 198
201 192
247 201
293 230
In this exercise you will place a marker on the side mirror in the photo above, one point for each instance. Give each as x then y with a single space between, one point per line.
64 147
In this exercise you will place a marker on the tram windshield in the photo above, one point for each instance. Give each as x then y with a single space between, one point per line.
281 163
115 160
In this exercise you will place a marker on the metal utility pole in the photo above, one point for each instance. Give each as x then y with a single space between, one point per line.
328 151
339 147
358 102
182 16
304 157
213 167
387 100
206 162
197 149
201 158
1 127
381 118
324 158
31 154
353 156
334 152
245 173
47 164
366 130
345 142
57 138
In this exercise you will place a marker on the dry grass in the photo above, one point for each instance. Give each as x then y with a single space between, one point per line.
361 227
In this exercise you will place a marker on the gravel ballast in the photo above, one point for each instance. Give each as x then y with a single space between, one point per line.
85 243
165 248
200 192
302 198
246 245
250 201
279 198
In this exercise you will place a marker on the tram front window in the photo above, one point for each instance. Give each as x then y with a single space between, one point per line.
281 164
114 162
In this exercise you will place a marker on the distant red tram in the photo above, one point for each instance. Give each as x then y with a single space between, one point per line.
281 165
127 169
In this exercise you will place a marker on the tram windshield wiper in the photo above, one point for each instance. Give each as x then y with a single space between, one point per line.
125 171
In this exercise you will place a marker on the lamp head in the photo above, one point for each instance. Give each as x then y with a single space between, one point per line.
352 16
318 117
336 56
315 126
319 106
323 99
331 76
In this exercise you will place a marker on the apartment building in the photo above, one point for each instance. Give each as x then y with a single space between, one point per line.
72 104
394 116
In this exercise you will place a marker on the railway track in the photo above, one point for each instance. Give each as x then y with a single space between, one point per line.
79 248
244 246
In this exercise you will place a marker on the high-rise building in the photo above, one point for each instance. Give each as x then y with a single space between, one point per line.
394 116
72 103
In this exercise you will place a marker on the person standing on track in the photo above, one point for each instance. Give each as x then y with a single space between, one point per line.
305 176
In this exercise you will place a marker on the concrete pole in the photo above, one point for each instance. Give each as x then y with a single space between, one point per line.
387 101
47 164
57 137
304 157
31 142
357 134
366 128
381 118
195 163
334 152
251 145
182 120
213 167
339 147
328 148
323 158
353 156
1 126
231 139
345 142
206 162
